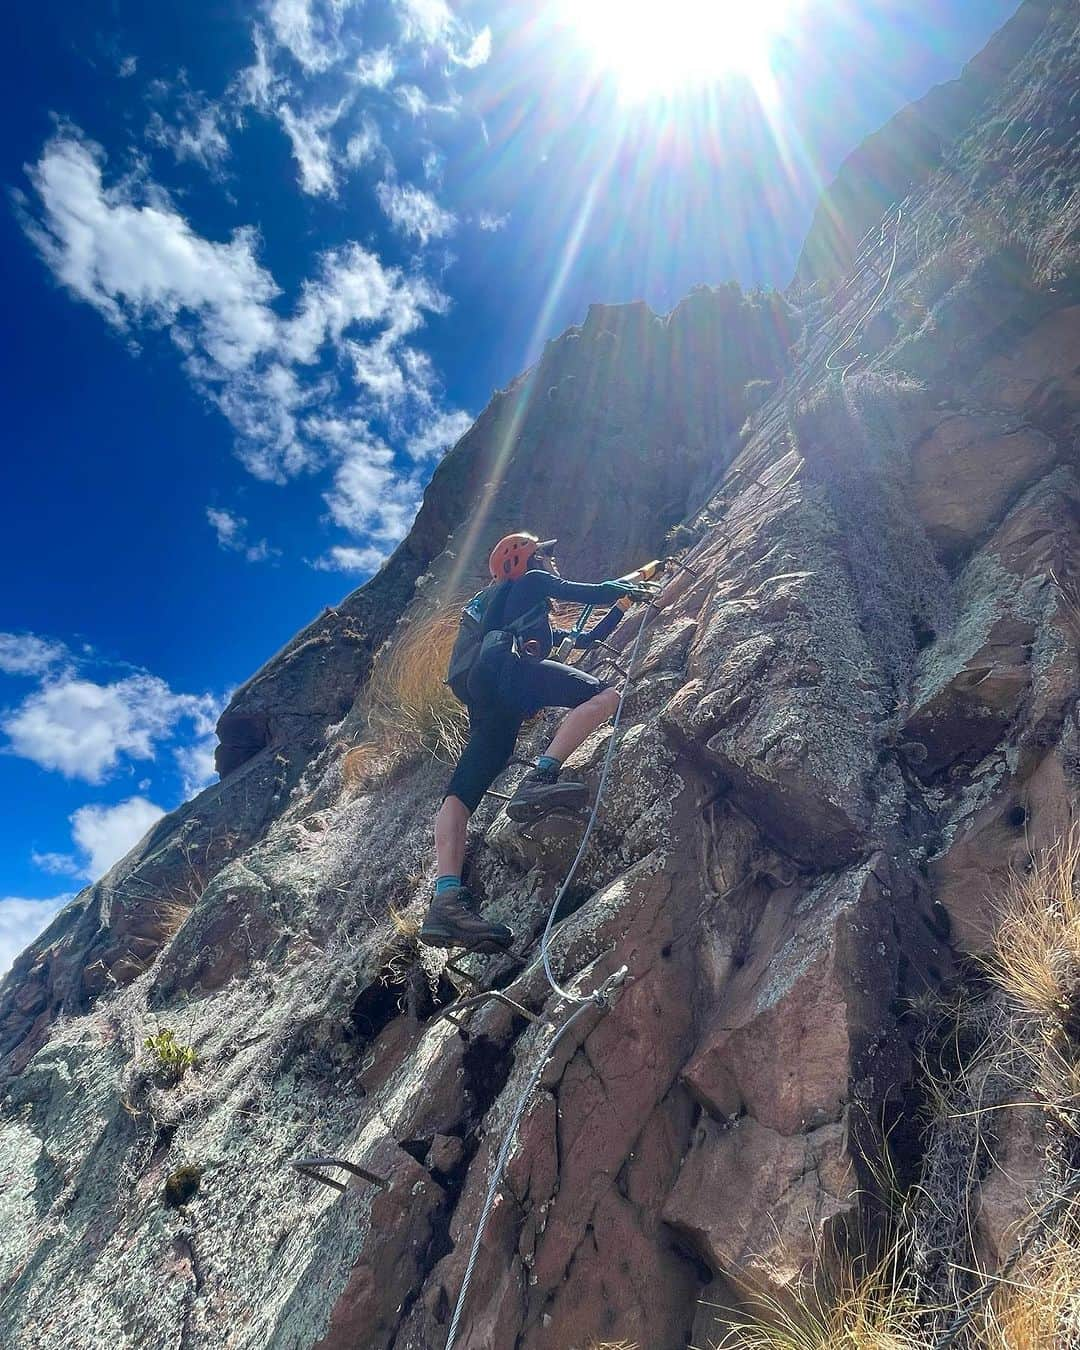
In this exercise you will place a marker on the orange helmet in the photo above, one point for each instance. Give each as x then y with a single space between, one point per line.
511 555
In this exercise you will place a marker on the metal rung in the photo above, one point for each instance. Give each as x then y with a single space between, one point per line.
467 976
683 567
309 1167
474 1000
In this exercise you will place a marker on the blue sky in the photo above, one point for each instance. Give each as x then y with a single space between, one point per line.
263 262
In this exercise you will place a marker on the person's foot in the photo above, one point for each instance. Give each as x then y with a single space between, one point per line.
454 920
540 792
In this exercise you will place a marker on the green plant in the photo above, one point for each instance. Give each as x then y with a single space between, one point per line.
173 1057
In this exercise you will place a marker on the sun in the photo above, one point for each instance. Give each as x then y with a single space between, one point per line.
667 47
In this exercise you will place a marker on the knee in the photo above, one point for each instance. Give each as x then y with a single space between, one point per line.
607 701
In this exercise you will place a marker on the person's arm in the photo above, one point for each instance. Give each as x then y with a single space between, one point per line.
603 630
543 584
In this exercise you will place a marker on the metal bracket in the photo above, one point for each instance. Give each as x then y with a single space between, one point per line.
309 1167
474 1000
462 1005
682 567
613 656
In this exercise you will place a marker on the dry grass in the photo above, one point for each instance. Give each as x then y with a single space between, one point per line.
1039 1307
1068 588
1036 955
363 765
409 707
861 1309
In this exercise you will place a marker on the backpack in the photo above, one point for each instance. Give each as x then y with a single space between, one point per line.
479 617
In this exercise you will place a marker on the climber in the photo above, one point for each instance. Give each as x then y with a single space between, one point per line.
500 670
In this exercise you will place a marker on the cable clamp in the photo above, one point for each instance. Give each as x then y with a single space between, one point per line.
604 997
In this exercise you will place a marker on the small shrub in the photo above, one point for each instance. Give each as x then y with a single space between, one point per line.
173 1058
1036 954
859 1308
409 706
1038 1305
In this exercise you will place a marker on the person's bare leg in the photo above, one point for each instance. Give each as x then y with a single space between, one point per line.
451 825
542 791
581 722
453 918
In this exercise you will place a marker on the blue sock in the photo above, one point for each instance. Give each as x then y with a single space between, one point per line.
447 883
548 762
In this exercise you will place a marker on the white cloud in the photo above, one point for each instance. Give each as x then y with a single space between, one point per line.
198 133
144 261
312 149
229 528
57 864
255 85
353 288
486 220
363 145
21 921
196 765
342 558
260 552
433 166
375 69
127 251
414 211
26 654
370 497
443 431
81 729
106 833
231 531
425 20
416 103
127 66
310 30
477 53
432 23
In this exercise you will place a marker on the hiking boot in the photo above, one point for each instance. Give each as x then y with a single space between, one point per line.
541 792
454 920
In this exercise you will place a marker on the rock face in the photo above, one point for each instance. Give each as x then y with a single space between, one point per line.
847 726
909 147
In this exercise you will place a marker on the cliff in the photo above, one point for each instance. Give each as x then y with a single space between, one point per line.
850 728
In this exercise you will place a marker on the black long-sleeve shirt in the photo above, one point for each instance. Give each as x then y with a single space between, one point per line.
537 587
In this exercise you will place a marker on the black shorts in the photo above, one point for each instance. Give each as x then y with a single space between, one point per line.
507 692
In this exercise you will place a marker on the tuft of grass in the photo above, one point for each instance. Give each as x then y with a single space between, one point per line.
1036 952
407 926
173 1058
862 1307
1068 589
1038 1306
410 709
362 765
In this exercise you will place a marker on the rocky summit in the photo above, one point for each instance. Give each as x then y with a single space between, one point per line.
851 725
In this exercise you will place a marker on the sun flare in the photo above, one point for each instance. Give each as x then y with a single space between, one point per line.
668 46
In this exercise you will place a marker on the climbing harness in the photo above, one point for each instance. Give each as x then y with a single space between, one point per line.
601 997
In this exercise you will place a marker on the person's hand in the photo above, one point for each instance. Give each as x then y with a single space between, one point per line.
633 590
